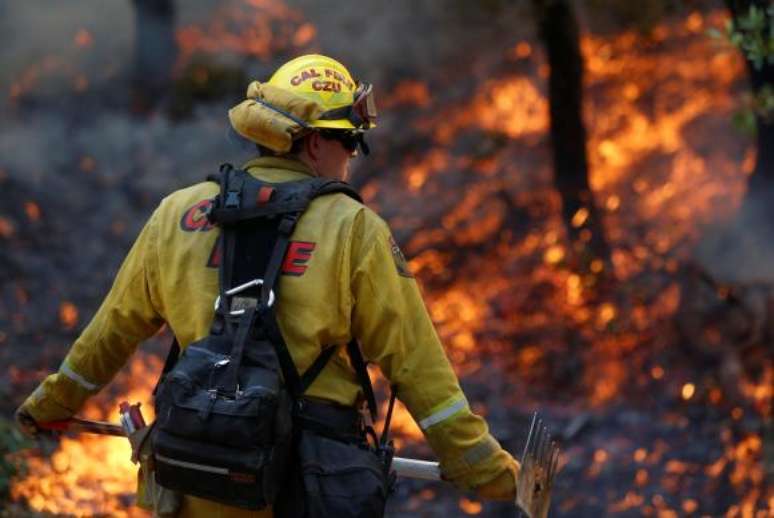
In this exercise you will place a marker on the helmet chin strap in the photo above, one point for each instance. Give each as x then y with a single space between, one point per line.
364 147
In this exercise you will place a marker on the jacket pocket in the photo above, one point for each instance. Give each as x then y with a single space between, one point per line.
340 479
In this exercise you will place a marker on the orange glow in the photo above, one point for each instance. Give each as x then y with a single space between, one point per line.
523 50
7 228
83 38
640 454
554 254
513 106
32 210
631 500
246 29
68 315
470 506
408 92
690 505
600 456
580 217
304 35
688 390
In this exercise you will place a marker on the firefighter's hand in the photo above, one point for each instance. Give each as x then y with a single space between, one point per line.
503 486
27 423
31 428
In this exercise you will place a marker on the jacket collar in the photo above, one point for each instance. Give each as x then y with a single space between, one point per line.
272 164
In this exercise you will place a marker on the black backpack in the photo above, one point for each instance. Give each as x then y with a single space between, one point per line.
226 406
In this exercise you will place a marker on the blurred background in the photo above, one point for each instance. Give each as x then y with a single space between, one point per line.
583 189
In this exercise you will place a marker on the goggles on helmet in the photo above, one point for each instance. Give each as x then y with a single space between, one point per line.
361 113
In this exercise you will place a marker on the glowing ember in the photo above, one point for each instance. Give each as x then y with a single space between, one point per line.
554 254
68 315
470 506
304 35
32 210
522 50
83 38
7 228
688 391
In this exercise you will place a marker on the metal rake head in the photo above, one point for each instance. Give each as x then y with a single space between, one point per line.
538 467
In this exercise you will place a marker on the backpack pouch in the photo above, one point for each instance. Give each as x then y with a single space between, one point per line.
340 479
230 448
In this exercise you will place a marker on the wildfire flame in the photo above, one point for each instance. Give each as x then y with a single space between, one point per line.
92 475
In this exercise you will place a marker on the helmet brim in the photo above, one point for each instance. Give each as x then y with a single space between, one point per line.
342 124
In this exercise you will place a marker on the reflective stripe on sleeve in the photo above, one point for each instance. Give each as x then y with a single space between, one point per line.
481 451
443 414
473 456
80 380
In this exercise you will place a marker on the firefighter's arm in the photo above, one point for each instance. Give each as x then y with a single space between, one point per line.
128 315
395 330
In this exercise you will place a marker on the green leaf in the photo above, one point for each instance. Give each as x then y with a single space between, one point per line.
744 121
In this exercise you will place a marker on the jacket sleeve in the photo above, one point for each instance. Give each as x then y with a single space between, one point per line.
129 314
394 328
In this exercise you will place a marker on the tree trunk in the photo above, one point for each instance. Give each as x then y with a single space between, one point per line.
155 51
761 184
559 33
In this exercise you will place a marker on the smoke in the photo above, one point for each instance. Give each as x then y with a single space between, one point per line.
741 250
388 40
78 35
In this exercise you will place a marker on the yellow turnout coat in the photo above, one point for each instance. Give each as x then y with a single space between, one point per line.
344 277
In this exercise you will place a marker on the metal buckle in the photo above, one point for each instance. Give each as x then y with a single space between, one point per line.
241 288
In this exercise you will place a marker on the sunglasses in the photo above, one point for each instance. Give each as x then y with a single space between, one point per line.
350 140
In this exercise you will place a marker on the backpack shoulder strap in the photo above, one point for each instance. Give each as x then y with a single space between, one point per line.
325 186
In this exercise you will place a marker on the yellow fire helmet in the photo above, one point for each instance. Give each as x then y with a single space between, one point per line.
348 104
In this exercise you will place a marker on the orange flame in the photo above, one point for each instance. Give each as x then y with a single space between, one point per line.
92 475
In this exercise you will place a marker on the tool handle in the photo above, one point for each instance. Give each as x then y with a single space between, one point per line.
417 469
55 426
84 426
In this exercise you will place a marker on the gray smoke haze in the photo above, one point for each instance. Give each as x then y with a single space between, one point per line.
742 250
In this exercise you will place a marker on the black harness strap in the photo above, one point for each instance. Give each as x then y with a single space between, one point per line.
169 363
332 186
316 368
361 370
231 383
271 276
289 371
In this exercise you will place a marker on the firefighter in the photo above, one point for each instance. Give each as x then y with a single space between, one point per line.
343 276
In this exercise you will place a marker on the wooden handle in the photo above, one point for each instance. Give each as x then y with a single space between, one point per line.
85 426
